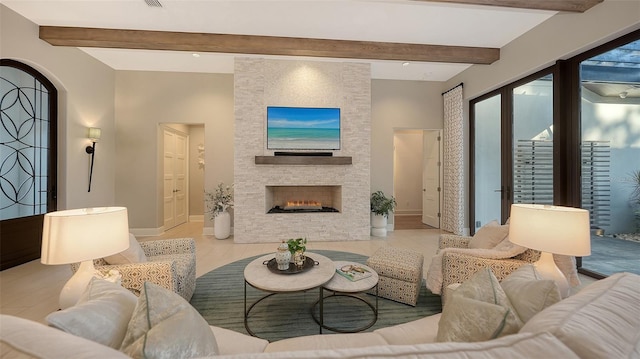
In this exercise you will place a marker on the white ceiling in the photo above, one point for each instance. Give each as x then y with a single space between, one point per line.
369 20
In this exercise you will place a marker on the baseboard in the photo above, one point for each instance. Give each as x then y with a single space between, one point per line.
208 231
408 212
196 218
146 232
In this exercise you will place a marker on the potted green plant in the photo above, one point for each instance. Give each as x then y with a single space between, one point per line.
297 247
381 206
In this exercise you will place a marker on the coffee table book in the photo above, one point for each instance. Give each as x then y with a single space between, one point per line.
353 272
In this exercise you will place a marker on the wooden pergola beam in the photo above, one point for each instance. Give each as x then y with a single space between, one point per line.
552 5
264 45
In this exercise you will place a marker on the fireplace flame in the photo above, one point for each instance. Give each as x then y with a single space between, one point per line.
303 205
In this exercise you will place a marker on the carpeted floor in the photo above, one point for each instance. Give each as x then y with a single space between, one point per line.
219 297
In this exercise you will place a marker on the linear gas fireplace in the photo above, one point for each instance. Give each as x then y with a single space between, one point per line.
303 199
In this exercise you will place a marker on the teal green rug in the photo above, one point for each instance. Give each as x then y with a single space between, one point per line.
219 298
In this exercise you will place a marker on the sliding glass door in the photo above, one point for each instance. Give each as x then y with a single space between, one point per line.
569 136
610 157
532 145
512 161
487 161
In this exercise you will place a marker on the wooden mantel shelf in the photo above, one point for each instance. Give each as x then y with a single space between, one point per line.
303 160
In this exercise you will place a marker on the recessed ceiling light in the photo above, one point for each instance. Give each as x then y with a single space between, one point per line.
405 64
195 55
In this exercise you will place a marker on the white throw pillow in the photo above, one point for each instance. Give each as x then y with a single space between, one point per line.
528 292
498 319
164 325
507 246
489 235
469 320
133 254
101 314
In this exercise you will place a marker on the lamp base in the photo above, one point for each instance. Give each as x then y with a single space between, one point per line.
548 269
76 285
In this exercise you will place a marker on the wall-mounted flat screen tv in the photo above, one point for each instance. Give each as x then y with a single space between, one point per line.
303 128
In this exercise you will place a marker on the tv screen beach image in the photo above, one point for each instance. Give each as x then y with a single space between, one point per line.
298 128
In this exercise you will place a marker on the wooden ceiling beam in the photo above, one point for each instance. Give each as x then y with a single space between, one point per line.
264 45
551 5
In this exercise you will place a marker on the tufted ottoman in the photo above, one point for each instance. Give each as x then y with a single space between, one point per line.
400 273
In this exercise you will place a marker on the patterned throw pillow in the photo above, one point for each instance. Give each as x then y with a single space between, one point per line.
164 325
478 310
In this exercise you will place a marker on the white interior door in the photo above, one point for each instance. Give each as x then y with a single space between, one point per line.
175 179
180 179
431 178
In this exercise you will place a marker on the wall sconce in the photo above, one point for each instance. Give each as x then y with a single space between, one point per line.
94 136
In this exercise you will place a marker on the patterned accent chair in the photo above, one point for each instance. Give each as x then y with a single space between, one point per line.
458 267
171 263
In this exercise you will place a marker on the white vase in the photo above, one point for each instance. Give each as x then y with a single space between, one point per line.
283 256
222 225
378 225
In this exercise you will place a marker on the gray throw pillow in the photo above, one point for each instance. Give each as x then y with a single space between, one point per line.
101 314
164 325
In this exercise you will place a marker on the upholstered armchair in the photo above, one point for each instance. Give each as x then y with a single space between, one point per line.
170 263
458 267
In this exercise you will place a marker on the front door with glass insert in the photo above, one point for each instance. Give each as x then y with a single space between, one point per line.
27 160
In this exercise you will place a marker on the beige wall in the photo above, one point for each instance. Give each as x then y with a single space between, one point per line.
144 100
407 169
561 37
196 173
85 99
399 105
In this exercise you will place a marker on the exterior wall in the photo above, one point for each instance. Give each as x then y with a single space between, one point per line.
260 83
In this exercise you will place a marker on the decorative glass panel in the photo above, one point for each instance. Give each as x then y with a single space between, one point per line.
24 134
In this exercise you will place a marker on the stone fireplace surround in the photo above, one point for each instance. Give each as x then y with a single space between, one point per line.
259 83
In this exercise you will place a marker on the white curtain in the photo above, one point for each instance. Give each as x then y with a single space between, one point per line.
453 189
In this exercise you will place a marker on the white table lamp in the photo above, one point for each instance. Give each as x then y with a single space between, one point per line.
82 235
551 230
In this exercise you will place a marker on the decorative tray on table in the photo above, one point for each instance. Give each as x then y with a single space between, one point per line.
293 269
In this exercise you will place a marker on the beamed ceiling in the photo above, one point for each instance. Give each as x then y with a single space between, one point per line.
438 38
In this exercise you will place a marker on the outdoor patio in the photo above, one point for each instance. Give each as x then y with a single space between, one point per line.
611 255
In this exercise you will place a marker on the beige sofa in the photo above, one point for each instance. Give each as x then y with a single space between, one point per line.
600 321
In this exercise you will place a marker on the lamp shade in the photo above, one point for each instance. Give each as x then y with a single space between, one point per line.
94 134
78 235
553 229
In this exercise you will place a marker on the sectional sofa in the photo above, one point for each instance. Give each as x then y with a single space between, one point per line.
600 321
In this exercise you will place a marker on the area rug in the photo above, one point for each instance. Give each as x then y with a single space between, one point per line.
219 298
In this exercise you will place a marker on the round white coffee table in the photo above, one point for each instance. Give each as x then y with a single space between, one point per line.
343 287
259 276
